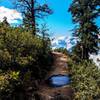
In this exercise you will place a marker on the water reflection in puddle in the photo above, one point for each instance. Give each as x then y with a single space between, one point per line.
59 80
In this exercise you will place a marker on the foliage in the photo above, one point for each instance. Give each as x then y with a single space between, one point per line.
63 50
7 81
84 13
85 80
3 81
21 48
23 61
77 54
32 10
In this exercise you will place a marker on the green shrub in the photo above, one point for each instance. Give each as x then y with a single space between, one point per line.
24 59
20 50
63 50
85 80
8 80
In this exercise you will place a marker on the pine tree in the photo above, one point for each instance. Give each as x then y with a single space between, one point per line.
84 13
32 10
5 22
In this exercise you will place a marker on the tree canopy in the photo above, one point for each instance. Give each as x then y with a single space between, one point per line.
32 10
84 13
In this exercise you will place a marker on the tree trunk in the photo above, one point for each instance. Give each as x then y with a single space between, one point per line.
33 17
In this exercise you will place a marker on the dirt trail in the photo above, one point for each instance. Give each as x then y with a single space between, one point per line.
59 67
60 64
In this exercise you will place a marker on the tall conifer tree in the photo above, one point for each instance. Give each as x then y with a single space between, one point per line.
31 10
84 13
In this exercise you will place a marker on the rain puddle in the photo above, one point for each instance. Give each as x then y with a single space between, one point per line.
59 80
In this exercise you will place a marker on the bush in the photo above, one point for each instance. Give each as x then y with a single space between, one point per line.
24 59
63 50
8 80
85 80
20 50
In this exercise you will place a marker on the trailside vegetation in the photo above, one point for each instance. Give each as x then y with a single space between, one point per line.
24 62
85 80
84 73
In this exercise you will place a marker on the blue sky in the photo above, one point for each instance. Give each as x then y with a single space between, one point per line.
6 3
60 22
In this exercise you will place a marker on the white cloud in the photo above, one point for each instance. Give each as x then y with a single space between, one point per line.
96 59
68 43
63 41
12 15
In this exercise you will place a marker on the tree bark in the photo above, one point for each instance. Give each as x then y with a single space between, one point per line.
33 17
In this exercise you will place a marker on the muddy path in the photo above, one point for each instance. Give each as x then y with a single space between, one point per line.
59 67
